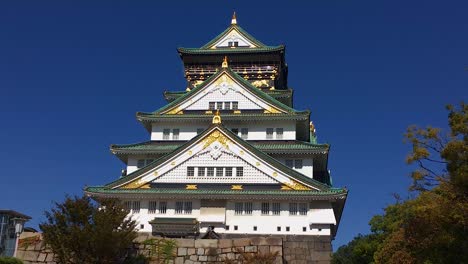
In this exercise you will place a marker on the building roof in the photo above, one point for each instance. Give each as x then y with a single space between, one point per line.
14 214
172 95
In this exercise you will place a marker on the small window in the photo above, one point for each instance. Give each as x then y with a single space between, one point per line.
236 228
303 209
199 130
152 206
179 207
304 229
228 171
211 106
238 209
235 105
190 171
140 163
248 208
230 44
210 172
188 208
289 163
235 130
128 205
269 133
219 105
201 171
162 207
236 43
239 171
288 229
276 208
166 133
279 133
136 207
142 226
175 134
226 227
265 208
278 228
293 209
298 164
219 172
227 105
244 133
255 228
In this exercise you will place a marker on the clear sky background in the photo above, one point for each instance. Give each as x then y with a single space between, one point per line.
73 75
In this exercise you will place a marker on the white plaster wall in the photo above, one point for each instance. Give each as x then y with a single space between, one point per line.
266 224
257 131
244 103
233 36
307 164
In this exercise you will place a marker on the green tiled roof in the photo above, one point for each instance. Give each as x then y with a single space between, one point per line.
172 95
226 116
265 49
227 30
330 191
273 162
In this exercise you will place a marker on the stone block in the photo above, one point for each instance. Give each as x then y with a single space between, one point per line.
226 250
212 258
203 258
200 251
274 241
31 255
188 261
250 249
42 257
194 257
183 242
50 257
278 249
191 251
259 241
263 249
182 251
20 254
322 256
179 260
225 243
230 256
241 242
206 243
212 251
323 246
39 245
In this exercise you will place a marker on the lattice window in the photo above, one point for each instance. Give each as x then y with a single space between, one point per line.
238 208
199 130
239 171
140 163
303 209
219 105
201 171
210 172
228 171
152 206
293 209
279 133
265 208
179 207
162 207
298 164
166 133
289 163
248 208
136 207
211 106
175 134
235 105
219 172
190 171
188 207
244 133
128 205
269 133
276 208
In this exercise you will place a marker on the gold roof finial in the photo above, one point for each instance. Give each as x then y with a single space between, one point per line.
234 19
217 118
312 127
225 62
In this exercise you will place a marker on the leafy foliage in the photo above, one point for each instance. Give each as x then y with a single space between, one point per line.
10 260
81 231
432 227
163 250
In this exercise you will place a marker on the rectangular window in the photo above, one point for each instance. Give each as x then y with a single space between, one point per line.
190 171
278 228
166 133
236 44
244 133
279 133
136 207
211 106
219 172
219 105
175 134
140 163
265 208
293 209
230 44
226 227
248 208
235 105
298 164
128 205
228 171
199 130
179 207
235 130
238 208
227 105
269 133
152 206
188 208
303 209
289 163
162 207
276 208
201 171
239 171
210 172
255 228
288 229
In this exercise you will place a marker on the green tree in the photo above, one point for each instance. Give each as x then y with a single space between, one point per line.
80 230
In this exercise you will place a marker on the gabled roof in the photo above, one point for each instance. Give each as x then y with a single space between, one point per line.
237 28
236 77
301 179
172 95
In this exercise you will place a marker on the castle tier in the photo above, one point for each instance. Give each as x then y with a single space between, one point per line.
229 155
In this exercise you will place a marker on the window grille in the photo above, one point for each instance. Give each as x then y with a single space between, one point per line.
201 171
227 105
211 106
293 209
265 208
235 130
219 172
140 163
239 171
166 133
276 208
210 172
298 164
248 208
190 171
279 133
179 207
219 105
128 205
289 163
187 207
235 105
238 208
228 171
136 207
303 209
269 133
152 207
162 207
199 130
244 133
175 134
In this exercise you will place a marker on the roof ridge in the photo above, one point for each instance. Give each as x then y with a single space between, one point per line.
226 31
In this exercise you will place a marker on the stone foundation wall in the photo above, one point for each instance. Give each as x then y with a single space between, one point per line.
290 249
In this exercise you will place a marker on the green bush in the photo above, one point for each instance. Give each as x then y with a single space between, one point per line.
9 260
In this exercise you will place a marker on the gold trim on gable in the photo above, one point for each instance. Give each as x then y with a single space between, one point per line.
191 187
236 187
216 136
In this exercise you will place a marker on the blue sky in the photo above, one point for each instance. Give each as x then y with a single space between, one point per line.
73 74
